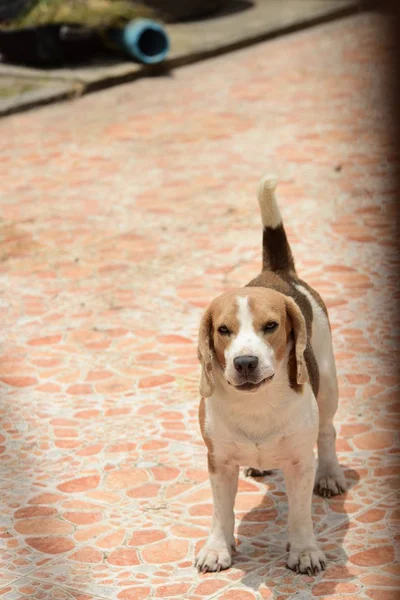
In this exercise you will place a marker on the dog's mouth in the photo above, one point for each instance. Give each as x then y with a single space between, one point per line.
253 387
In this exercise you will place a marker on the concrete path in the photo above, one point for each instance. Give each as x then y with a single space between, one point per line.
190 42
123 214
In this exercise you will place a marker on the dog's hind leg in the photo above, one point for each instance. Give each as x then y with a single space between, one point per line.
329 480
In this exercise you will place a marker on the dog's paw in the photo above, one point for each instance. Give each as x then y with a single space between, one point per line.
308 560
251 472
213 558
330 482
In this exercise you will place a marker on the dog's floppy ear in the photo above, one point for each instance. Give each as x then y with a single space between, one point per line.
300 339
204 354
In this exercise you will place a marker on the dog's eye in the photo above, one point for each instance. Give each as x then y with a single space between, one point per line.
223 330
270 326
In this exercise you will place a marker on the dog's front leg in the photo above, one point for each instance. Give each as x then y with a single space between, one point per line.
217 552
304 555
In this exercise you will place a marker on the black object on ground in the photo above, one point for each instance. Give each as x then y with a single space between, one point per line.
142 40
50 45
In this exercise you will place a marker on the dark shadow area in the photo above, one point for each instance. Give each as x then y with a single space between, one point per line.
326 534
52 46
147 71
227 9
197 10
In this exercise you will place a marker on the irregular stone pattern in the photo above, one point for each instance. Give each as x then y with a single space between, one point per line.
124 213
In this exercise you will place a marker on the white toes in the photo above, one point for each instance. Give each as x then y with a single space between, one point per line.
309 560
212 558
330 482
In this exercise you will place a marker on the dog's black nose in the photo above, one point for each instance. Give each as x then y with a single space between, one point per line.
245 364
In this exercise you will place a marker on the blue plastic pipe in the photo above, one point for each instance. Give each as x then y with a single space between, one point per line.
144 40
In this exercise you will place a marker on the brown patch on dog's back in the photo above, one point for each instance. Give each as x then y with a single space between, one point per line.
272 281
316 297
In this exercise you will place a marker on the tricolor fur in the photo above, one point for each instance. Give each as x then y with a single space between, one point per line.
269 392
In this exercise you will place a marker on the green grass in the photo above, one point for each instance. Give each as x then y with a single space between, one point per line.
93 13
10 88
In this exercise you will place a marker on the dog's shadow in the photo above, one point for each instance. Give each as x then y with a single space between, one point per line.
262 538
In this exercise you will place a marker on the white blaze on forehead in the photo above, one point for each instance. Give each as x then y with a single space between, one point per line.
247 341
244 315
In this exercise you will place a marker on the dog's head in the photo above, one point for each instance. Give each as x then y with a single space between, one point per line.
244 337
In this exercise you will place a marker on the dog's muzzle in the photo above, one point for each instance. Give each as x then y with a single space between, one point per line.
248 376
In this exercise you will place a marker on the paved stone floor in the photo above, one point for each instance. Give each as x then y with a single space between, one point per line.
124 213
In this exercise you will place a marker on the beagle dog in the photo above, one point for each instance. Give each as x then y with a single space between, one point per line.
268 394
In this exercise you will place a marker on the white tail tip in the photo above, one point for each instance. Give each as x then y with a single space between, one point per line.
268 183
271 217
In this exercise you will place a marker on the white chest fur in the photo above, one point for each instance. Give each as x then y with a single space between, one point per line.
264 429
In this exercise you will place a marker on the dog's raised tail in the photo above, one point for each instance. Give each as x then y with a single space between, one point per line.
277 255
